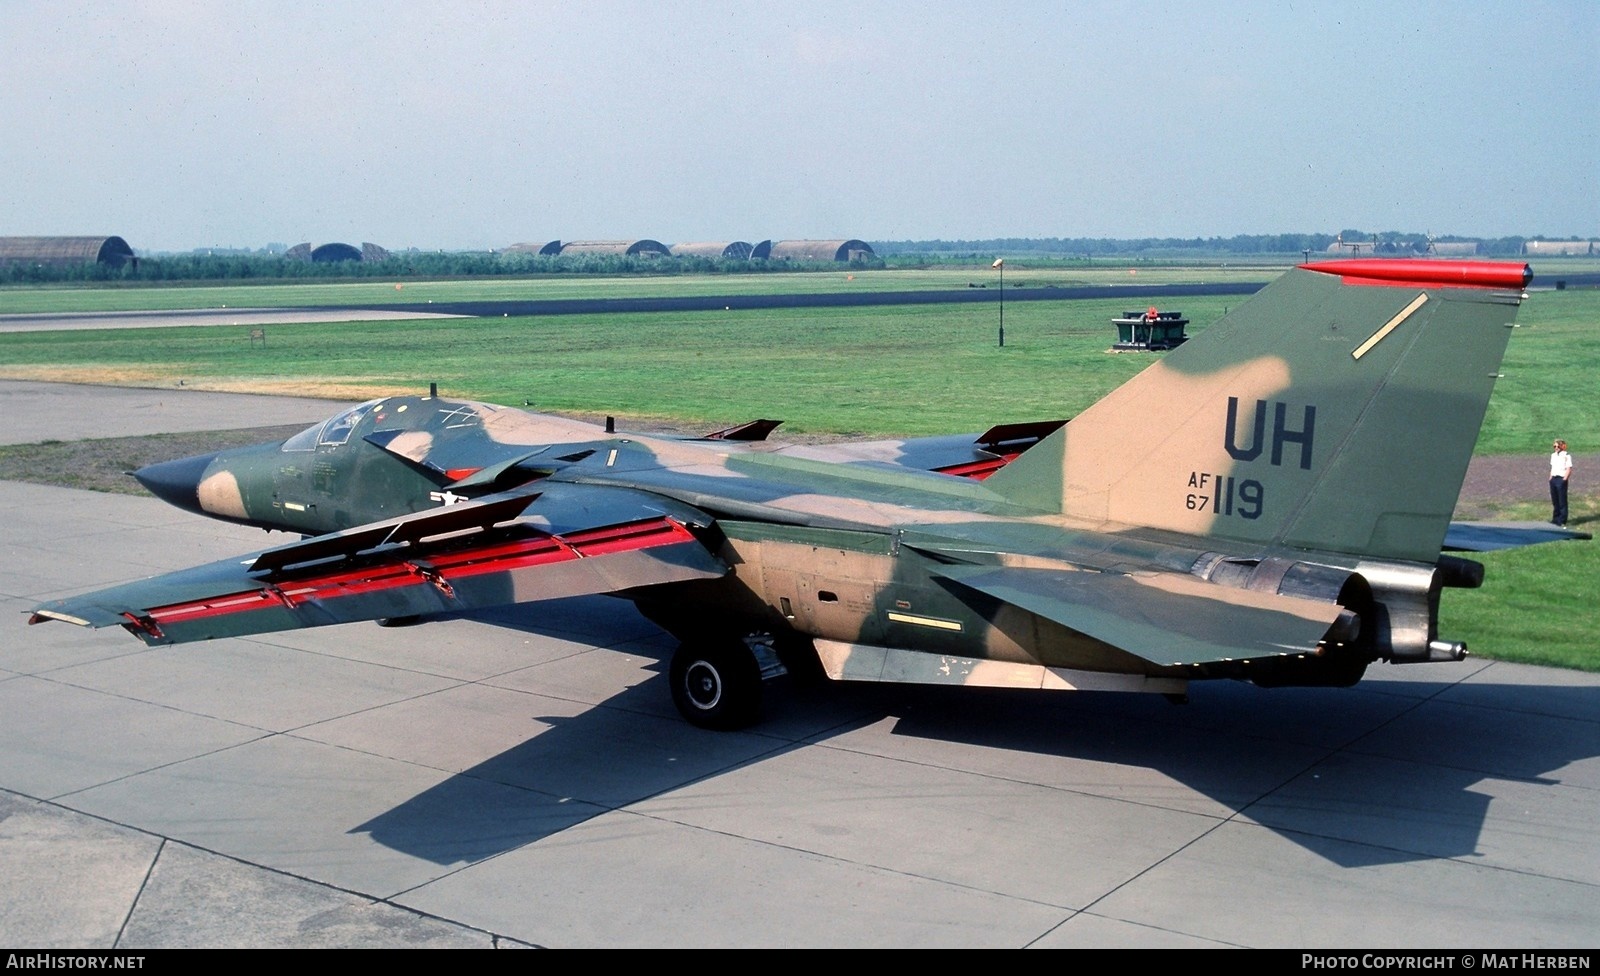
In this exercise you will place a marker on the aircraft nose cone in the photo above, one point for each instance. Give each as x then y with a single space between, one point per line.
177 482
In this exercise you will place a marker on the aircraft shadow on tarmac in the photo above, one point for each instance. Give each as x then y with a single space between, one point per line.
1391 771
1407 789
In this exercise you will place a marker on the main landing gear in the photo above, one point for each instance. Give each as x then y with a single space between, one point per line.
716 680
717 671
716 684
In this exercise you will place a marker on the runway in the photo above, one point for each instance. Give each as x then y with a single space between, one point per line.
261 317
167 318
522 779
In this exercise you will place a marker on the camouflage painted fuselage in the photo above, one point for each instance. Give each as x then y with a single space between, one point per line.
1266 502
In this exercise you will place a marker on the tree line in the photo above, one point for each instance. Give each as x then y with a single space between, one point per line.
267 265
1386 242
247 266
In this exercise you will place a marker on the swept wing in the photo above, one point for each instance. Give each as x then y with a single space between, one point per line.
472 555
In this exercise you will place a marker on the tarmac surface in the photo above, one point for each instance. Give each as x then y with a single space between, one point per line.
944 296
521 779
261 317
168 318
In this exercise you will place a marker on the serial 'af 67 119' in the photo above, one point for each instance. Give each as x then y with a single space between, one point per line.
1267 502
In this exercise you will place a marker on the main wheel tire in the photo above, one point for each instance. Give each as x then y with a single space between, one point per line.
716 684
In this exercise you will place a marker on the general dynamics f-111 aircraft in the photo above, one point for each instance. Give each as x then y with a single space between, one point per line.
1267 502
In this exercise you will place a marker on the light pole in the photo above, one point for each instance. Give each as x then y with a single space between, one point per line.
1000 263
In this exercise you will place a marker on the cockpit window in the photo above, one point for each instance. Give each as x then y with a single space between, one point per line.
329 433
338 429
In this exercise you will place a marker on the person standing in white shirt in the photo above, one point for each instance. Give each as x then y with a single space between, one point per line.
1560 474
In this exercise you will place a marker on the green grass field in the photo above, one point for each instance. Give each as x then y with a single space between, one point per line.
860 371
878 370
1548 385
1537 606
874 370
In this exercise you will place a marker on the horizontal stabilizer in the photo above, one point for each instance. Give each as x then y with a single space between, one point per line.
1490 536
1165 618
842 661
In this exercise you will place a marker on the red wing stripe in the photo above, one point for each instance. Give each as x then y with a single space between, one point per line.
426 570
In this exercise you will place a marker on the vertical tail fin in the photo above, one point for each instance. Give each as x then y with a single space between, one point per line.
1337 409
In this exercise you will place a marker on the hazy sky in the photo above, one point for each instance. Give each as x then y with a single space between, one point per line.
469 125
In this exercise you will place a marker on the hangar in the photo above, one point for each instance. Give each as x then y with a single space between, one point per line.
851 250
532 247
733 250
336 251
111 251
1353 248
1546 248
630 248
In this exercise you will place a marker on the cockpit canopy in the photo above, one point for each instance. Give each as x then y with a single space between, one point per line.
331 432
